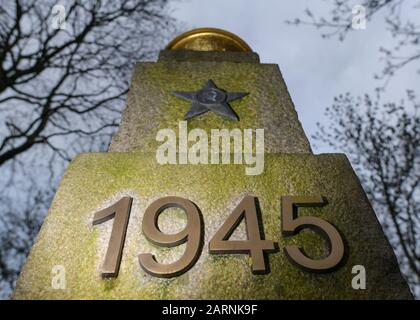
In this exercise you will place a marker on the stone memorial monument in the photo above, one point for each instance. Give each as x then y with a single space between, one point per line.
210 190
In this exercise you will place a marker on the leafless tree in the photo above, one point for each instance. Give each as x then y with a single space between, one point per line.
383 143
18 229
381 139
65 68
400 17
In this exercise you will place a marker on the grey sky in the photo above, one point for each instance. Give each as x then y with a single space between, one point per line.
315 69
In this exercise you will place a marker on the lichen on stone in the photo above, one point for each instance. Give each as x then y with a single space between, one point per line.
94 181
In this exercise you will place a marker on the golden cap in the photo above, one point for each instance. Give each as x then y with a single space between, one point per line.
208 39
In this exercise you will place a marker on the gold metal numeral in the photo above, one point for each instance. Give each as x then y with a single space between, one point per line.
292 225
255 246
192 234
121 212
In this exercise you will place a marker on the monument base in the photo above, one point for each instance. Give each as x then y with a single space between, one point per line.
95 181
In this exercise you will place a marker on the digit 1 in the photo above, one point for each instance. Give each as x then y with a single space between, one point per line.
121 212
192 234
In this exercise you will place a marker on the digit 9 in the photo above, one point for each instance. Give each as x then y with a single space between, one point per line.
192 234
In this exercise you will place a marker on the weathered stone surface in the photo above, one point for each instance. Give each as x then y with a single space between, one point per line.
94 181
190 55
151 106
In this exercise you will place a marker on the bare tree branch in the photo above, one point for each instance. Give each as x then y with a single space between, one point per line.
61 93
396 15
383 143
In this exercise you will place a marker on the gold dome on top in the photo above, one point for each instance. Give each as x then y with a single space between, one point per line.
208 39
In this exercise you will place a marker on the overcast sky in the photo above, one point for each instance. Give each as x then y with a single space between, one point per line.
315 69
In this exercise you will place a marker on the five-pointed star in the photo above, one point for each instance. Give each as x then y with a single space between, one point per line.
210 98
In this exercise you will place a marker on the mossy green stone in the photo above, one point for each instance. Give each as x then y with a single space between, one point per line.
94 181
151 106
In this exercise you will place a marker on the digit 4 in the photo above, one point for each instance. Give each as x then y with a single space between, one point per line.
255 246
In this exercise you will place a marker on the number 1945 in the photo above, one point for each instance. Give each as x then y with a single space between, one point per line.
255 246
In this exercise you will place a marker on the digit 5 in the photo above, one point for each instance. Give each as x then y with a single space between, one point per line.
291 225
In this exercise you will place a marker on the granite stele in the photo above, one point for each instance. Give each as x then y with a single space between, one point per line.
210 190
